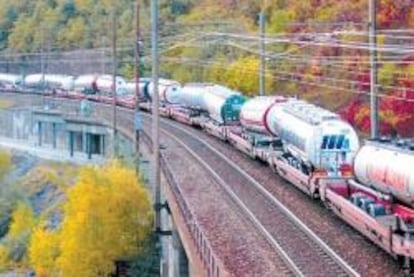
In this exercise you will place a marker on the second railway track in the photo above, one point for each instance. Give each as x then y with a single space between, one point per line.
304 252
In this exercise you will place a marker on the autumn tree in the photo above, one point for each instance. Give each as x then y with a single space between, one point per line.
43 251
5 163
243 75
107 215
13 249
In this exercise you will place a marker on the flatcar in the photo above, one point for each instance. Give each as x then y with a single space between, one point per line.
377 200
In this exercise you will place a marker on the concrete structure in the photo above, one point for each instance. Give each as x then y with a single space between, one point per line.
76 133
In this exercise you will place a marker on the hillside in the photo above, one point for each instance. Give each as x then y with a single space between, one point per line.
317 49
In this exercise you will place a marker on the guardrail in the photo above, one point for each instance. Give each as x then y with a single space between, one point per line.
203 246
209 259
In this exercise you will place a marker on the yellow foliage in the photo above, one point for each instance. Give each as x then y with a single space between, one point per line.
13 248
106 217
43 251
5 163
73 32
59 175
23 220
4 258
243 75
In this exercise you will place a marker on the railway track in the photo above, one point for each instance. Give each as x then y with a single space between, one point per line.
303 252
237 242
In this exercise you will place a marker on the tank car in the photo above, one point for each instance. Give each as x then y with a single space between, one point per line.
142 87
49 81
168 90
313 135
104 83
86 84
222 104
254 113
387 167
10 81
92 84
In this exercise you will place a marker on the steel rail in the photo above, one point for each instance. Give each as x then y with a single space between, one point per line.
289 262
315 238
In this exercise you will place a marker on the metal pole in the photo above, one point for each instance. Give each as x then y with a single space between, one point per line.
103 54
137 76
42 66
155 115
373 62
114 65
262 54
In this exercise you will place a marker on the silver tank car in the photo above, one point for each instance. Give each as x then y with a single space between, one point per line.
142 87
221 103
168 90
10 81
313 135
93 83
86 83
254 113
51 81
387 167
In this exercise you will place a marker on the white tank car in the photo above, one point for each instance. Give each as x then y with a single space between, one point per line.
85 82
192 96
131 89
99 83
221 103
387 167
105 83
254 113
51 81
168 90
313 135
10 81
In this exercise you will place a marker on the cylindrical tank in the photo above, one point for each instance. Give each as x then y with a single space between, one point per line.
254 113
192 96
86 83
388 168
168 90
100 83
104 83
313 135
142 87
51 81
221 103
10 80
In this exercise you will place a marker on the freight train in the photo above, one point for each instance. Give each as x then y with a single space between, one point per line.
371 187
